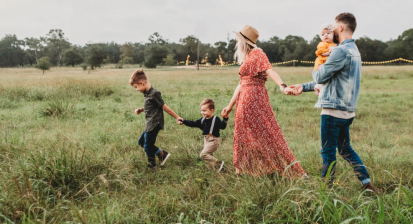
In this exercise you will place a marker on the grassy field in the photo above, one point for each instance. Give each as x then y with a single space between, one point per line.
69 152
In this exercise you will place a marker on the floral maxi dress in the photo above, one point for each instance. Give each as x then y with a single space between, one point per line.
259 145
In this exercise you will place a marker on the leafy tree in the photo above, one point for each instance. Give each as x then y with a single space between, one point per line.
179 51
272 48
72 56
191 46
35 47
371 50
289 44
154 54
44 63
156 38
57 44
113 53
138 53
127 51
95 53
312 48
403 46
231 49
169 60
11 52
221 46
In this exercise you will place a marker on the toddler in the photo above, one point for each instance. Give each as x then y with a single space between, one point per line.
210 126
323 49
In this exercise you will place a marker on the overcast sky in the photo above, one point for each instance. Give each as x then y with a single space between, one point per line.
122 21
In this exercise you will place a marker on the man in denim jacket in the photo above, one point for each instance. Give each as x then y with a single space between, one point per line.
341 76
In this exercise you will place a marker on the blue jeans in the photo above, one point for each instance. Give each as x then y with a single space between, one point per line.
335 134
147 141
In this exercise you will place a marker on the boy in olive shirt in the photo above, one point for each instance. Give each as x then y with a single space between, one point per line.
153 108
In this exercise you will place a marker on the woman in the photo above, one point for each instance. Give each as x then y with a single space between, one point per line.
259 145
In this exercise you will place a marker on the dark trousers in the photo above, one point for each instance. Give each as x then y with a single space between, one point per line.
335 134
147 141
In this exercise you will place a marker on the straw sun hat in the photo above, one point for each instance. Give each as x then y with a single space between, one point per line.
249 34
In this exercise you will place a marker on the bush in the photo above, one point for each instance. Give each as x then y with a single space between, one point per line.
44 64
150 64
119 65
169 60
84 66
55 109
127 60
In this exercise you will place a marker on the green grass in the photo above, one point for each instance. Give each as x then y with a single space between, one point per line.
69 151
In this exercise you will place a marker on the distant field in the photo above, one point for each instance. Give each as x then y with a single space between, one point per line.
69 151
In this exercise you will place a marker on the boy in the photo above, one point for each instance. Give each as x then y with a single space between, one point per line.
210 125
153 108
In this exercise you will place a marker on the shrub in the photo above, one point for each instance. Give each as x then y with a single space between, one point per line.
169 60
44 64
84 66
55 108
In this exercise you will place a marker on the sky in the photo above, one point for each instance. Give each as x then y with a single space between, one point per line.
93 21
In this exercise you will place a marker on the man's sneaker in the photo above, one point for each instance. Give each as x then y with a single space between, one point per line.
369 186
152 166
163 156
220 164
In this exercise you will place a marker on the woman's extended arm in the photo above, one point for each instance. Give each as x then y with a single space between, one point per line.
277 79
231 104
274 76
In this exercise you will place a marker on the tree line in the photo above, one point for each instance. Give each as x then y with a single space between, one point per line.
55 49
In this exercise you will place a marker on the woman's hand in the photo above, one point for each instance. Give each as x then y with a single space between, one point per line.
226 111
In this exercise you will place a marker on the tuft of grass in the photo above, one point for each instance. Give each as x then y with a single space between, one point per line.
56 109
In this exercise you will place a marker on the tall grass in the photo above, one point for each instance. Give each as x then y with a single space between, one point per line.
68 152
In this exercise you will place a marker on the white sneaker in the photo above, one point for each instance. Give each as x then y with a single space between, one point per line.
162 158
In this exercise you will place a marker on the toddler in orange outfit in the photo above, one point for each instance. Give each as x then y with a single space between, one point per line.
324 48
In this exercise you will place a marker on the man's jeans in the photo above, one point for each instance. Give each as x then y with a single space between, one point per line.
147 141
335 134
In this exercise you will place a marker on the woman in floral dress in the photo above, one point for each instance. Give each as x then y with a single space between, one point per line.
259 145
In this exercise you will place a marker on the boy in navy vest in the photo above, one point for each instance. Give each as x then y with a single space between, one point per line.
210 126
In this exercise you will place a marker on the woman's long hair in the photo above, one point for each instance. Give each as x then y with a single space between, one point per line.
243 49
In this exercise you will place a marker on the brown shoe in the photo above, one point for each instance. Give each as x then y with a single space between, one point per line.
370 187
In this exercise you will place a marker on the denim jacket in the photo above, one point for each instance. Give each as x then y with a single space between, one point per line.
341 76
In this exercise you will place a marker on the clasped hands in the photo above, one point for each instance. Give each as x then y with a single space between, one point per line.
293 90
297 89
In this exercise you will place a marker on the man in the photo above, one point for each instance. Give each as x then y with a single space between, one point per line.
341 76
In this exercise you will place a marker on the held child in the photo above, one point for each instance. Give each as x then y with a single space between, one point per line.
153 108
210 126
324 49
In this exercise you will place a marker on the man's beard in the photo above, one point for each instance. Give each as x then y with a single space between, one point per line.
335 40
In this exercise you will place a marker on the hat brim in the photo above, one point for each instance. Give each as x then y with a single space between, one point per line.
247 41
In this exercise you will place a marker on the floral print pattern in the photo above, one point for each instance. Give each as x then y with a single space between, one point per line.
259 145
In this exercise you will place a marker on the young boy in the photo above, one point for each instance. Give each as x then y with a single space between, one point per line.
210 126
153 108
